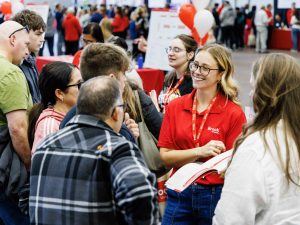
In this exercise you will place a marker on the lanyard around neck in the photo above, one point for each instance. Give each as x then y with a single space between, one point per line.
171 90
196 136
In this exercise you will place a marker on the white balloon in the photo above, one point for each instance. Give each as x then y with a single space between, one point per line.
16 6
200 4
203 22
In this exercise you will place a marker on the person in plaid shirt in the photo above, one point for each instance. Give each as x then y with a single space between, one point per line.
87 173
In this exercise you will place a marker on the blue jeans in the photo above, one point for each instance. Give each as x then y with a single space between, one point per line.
295 36
10 213
193 206
60 42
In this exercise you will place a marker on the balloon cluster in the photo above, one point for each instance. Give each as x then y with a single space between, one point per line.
197 19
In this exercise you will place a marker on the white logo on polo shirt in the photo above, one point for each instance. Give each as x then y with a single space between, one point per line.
214 130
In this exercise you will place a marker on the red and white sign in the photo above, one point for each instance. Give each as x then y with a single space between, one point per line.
164 26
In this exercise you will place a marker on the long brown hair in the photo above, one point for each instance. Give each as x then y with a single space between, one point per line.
131 101
275 99
190 46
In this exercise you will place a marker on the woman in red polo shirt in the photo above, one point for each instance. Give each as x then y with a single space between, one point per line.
199 126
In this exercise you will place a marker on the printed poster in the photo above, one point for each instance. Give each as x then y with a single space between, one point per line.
164 26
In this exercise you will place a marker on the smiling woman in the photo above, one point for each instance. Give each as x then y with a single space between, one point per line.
197 127
178 82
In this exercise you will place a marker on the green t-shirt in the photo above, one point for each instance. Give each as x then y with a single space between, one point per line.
14 91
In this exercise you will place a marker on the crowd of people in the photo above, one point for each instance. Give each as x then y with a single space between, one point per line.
235 27
69 135
115 21
242 26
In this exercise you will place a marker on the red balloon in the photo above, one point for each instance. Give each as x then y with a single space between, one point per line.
195 35
200 41
186 15
6 8
204 39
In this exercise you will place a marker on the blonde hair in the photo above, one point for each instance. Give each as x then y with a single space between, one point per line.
105 25
276 93
222 56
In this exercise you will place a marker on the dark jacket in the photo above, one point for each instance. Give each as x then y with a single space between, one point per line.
13 174
72 112
96 17
152 117
31 73
59 19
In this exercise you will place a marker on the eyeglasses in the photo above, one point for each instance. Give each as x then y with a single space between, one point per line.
174 49
124 106
78 85
86 41
203 69
23 28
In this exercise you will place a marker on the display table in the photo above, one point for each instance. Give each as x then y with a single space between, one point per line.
43 60
282 39
152 78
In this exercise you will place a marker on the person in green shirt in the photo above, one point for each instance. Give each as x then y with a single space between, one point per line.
15 100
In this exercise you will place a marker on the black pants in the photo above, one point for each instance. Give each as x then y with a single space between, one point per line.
72 47
50 42
270 30
239 36
228 36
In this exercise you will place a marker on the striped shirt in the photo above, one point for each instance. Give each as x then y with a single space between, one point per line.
88 174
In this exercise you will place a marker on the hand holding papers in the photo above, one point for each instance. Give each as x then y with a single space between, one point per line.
187 174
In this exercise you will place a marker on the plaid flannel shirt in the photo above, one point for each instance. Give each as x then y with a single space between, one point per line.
88 174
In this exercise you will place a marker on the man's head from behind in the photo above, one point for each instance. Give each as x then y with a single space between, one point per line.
101 97
98 59
14 41
36 27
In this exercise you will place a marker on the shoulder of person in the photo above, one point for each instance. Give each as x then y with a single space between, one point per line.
125 132
179 102
144 98
124 147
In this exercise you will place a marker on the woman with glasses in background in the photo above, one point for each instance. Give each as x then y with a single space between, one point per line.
59 84
178 82
197 127
92 33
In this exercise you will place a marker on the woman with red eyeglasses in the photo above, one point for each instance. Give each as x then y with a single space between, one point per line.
59 84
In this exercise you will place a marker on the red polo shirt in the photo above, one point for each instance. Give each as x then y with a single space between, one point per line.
224 123
270 15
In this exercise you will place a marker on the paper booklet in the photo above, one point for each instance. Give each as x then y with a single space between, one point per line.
188 173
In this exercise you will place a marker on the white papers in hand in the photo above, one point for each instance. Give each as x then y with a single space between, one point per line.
188 173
